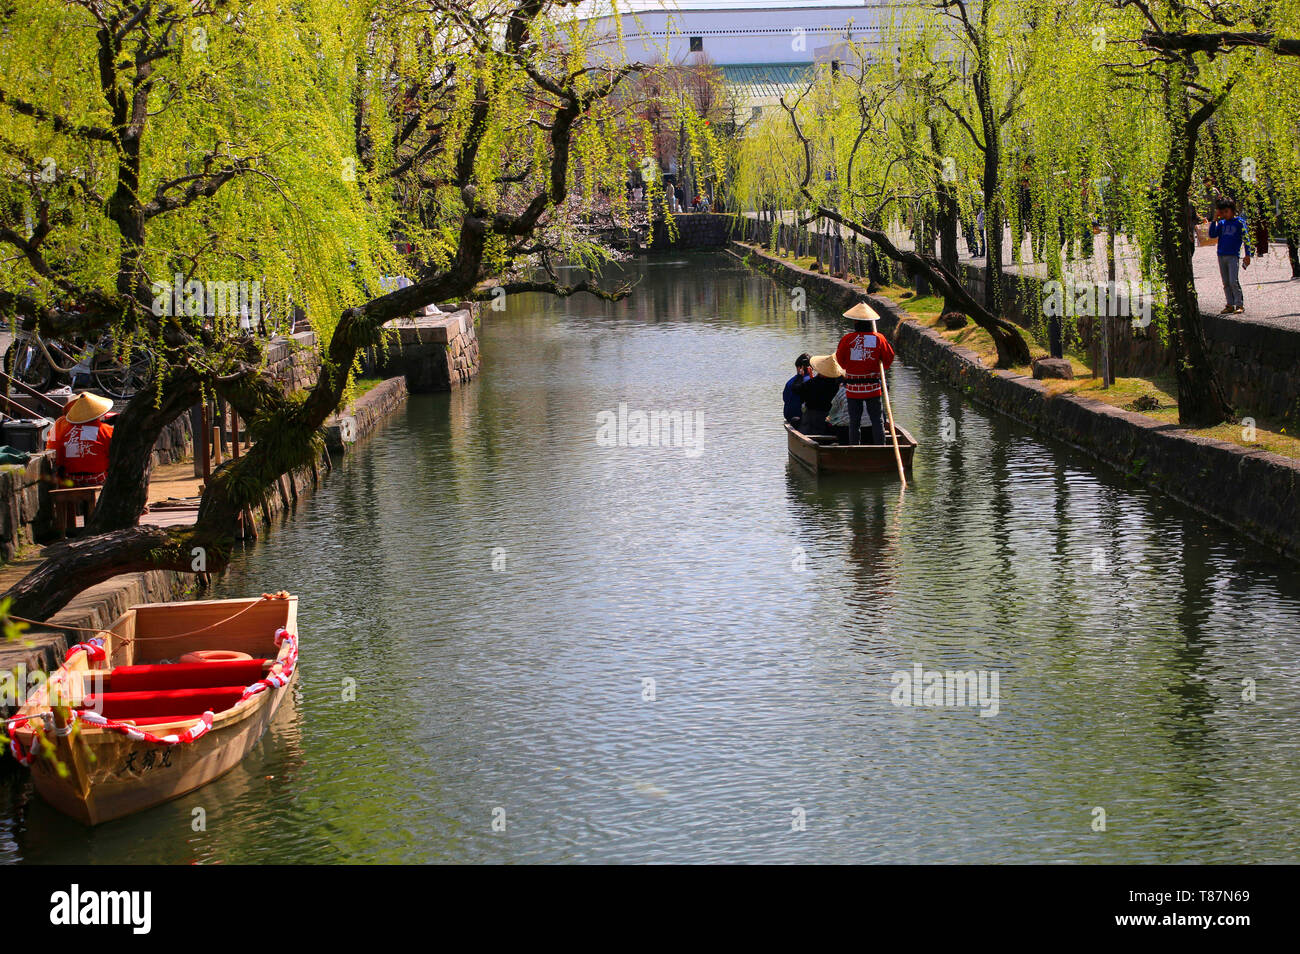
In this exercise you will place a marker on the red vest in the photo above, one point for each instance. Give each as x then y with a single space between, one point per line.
81 448
863 355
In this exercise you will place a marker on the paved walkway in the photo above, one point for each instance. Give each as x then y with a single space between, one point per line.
177 483
1272 295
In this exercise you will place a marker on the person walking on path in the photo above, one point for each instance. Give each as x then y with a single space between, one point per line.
864 355
1230 229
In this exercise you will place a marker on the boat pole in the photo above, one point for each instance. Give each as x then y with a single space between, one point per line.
889 416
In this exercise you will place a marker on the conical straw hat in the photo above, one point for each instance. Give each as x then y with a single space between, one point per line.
88 407
827 366
862 312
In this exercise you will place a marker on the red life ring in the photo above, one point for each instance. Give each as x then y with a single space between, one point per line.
213 655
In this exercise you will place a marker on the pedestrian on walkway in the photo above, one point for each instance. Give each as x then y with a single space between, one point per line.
1230 229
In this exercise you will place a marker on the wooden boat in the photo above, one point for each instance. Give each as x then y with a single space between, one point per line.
135 726
822 453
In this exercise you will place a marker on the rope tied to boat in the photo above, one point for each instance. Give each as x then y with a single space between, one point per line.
265 597
280 674
282 670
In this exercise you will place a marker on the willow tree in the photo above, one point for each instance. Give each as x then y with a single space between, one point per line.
991 43
249 141
1085 149
850 150
1191 82
1116 129
1254 145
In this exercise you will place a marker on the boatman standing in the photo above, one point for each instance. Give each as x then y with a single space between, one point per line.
865 355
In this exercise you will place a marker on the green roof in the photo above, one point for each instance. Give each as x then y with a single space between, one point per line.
767 79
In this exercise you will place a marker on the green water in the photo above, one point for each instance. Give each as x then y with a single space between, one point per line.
497 585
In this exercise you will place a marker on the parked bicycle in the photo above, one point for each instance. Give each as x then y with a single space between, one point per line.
41 364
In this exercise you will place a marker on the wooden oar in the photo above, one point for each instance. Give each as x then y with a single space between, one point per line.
889 416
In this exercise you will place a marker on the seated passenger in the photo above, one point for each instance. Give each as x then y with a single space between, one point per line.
80 441
839 414
817 394
793 405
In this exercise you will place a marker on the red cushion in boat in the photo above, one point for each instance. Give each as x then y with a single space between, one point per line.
159 702
184 675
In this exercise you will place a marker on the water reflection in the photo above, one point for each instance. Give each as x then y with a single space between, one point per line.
500 587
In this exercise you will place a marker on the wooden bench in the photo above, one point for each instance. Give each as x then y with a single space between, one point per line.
66 502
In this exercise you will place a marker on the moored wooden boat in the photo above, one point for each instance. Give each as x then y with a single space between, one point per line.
823 454
134 726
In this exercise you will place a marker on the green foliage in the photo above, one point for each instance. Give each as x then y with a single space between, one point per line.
1080 106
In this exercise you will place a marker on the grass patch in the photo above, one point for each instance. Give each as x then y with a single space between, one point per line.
1157 398
361 386
927 310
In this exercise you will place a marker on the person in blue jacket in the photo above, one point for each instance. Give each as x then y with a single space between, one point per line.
1230 229
793 402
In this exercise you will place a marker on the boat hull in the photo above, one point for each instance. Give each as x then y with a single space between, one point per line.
123 777
824 457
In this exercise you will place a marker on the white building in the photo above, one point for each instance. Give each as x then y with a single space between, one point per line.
762 51
745 35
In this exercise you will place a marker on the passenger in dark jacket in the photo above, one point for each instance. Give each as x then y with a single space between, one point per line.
818 392
793 403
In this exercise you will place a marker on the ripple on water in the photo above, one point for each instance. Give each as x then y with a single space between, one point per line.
772 612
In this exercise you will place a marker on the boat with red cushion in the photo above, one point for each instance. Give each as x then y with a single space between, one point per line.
167 698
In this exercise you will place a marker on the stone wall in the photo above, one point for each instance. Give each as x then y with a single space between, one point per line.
24 504
1254 492
294 359
695 230
364 415
433 352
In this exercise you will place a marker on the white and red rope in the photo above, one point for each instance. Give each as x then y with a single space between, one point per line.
280 674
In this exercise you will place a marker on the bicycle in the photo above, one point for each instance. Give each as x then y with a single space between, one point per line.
37 363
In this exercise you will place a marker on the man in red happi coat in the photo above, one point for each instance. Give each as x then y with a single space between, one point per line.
865 355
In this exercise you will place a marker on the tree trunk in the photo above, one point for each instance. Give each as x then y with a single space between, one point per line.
70 568
1201 399
947 217
992 220
137 429
924 246
1012 347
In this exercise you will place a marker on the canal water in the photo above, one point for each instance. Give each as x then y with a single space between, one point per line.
528 639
